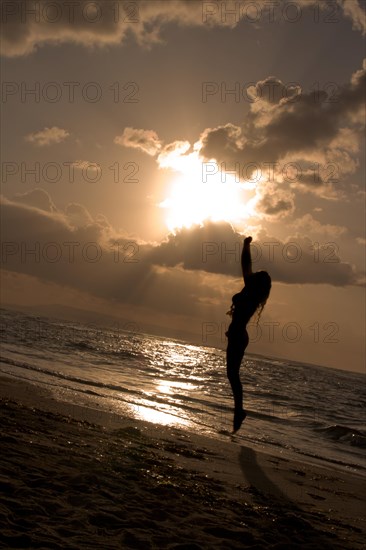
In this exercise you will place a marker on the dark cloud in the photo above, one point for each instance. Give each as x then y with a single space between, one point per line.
71 249
216 248
222 143
273 205
29 24
74 251
201 248
273 91
311 179
300 124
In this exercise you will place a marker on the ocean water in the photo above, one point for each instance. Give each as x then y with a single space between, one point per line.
314 414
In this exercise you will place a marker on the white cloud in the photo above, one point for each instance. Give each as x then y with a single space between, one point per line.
85 165
47 136
38 198
171 154
145 140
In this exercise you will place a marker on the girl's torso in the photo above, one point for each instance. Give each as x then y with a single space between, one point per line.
243 308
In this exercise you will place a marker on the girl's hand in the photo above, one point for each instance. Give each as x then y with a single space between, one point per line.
248 240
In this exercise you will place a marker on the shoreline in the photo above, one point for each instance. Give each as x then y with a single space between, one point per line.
98 412
90 477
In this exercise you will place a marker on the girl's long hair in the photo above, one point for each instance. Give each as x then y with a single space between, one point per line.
261 284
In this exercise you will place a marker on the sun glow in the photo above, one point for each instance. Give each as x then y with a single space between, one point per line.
201 191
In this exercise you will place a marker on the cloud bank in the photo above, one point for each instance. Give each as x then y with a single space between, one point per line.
30 24
72 249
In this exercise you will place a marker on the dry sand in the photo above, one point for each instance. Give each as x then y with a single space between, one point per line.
75 478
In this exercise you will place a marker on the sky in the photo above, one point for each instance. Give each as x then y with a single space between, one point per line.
142 141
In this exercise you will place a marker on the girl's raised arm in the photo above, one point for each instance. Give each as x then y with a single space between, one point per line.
246 259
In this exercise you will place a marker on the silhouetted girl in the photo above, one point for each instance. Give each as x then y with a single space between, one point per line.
244 304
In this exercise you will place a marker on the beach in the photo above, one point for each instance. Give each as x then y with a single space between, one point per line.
76 477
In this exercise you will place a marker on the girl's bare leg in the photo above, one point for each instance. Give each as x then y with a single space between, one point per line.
234 356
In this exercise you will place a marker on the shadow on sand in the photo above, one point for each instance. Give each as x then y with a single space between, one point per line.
284 515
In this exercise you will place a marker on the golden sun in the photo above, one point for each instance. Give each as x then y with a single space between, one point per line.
202 192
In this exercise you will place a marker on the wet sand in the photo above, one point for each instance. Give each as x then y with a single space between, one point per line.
73 477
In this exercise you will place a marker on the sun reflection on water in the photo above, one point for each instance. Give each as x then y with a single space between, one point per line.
175 373
167 386
158 417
